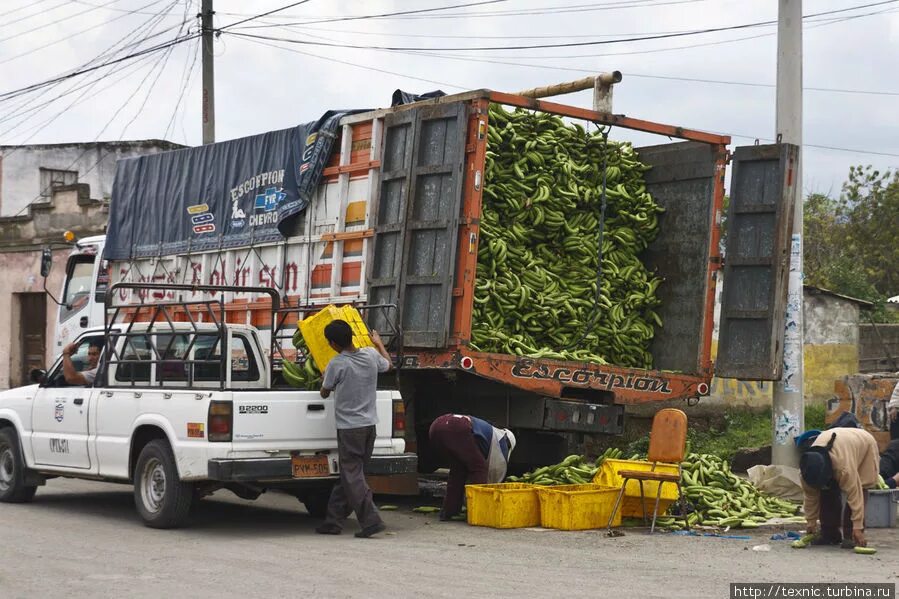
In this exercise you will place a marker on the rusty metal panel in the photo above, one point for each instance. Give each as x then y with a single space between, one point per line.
416 231
682 181
756 262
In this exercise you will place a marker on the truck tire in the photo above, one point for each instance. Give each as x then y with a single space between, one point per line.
316 502
162 500
12 470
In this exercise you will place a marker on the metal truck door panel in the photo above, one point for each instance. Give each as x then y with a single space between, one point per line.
682 181
756 262
60 426
417 228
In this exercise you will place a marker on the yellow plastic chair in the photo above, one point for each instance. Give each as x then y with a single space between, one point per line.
667 444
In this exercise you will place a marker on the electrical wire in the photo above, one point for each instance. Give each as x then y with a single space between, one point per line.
377 16
558 45
185 83
366 67
40 85
51 23
592 7
117 47
354 64
75 34
26 17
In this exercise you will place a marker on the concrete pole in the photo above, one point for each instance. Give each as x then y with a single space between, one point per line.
208 74
788 411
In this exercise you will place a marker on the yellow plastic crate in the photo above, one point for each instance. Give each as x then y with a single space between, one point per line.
313 329
630 503
577 507
503 505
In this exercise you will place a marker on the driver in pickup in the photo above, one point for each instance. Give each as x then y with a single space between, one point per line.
71 373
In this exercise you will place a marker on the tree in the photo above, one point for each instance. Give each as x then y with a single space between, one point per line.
850 244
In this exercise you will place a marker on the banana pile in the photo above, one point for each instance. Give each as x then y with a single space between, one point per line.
539 250
721 498
306 376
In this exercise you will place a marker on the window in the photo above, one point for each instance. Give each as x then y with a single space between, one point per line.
79 277
243 366
134 348
51 179
80 359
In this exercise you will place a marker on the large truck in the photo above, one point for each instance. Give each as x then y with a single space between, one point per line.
391 225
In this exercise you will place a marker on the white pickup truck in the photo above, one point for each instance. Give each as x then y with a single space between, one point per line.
172 414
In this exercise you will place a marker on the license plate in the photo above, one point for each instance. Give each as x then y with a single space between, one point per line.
310 465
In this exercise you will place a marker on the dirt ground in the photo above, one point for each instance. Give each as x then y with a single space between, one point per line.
84 539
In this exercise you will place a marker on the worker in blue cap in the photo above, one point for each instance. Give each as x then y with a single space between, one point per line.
839 460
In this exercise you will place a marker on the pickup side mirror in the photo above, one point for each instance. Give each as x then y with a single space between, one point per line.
46 261
38 375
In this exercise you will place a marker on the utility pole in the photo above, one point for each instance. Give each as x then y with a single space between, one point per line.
788 411
208 74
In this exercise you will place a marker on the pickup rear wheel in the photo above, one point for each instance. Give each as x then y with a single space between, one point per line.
162 500
12 470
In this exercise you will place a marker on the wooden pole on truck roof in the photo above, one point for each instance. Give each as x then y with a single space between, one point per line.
208 113
788 402
600 84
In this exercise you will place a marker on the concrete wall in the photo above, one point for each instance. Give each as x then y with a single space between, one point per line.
20 168
831 340
866 396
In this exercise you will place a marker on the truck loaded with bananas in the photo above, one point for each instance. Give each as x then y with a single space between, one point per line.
521 261
552 191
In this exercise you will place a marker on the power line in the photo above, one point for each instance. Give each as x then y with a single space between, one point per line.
592 7
149 25
375 69
146 26
355 64
265 14
174 42
26 17
50 24
77 33
557 45
380 15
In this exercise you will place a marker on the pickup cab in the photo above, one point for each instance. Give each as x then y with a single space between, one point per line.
177 417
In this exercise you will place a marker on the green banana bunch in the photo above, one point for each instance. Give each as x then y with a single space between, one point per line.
539 250
306 376
573 470
721 498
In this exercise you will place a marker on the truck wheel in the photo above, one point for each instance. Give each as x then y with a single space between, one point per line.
12 470
162 500
316 502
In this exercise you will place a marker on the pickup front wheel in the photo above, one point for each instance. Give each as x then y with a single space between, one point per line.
12 470
162 500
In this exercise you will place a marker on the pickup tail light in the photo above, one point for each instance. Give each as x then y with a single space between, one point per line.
399 418
220 420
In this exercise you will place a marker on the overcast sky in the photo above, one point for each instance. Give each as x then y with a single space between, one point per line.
277 85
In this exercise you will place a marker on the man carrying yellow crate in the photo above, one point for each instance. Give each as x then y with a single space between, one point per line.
353 377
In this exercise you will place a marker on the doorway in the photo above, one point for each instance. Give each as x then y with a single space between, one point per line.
33 323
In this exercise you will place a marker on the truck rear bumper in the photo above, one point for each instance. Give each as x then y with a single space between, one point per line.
279 469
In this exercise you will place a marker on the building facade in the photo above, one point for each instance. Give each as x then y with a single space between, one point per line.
45 191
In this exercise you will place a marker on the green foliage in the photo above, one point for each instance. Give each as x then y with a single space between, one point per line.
850 245
740 427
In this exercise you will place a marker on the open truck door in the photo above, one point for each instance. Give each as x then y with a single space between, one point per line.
757 262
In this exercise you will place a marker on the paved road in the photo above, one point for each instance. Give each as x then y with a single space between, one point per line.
83 539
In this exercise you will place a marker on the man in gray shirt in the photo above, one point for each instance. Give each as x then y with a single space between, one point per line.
353 377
